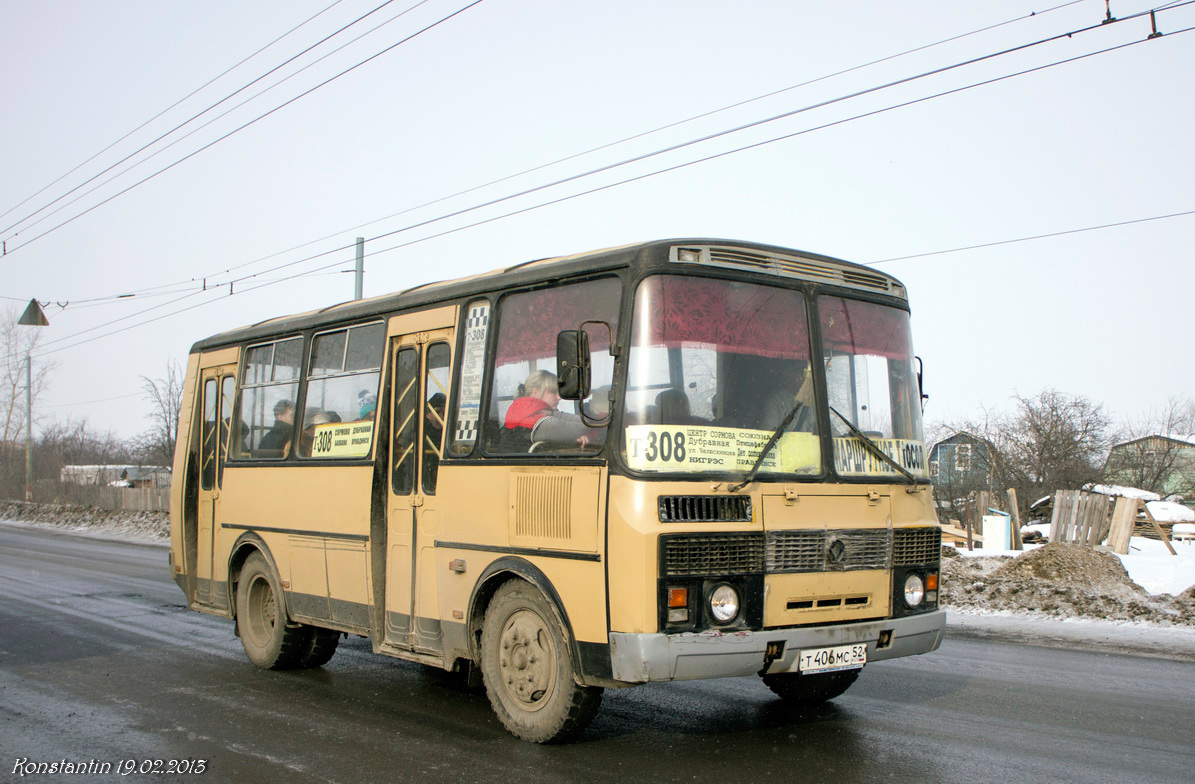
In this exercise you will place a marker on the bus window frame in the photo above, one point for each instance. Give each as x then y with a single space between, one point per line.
810 292
238 409
305 377
497 311
458 372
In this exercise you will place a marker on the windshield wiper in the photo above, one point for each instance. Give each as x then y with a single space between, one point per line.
767 447
874 448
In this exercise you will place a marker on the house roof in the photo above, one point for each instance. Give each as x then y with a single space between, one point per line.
1181 440
963 437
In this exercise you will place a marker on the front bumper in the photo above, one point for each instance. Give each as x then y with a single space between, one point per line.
639 658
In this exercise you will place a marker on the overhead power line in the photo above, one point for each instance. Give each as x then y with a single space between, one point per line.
614 184
186 97
602 188
665 127
710 137
252 122
228 111
1030 238
1032 15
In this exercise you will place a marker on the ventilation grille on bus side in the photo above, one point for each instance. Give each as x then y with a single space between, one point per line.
788 266
916 546
542 507
712 554
705 509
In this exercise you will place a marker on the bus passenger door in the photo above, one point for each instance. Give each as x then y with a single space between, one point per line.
218 385
420 385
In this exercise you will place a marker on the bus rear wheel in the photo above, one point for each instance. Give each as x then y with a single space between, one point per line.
528 671
809 691
270 641
320 647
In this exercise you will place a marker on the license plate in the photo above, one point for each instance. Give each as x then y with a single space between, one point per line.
841 657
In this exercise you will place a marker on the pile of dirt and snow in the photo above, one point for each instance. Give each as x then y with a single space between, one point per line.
110 523
1058 581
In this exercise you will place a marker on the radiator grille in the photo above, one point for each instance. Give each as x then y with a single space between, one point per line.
713 554
837 550
705 509
915 546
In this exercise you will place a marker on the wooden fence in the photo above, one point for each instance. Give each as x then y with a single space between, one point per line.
132 499
1079 517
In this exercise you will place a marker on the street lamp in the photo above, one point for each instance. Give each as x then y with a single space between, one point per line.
33 316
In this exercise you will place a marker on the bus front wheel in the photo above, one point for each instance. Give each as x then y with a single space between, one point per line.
269 640
527 669
809 691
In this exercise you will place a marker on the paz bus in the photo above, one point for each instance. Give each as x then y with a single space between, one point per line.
672 460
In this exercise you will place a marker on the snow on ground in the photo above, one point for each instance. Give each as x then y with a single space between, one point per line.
1054 595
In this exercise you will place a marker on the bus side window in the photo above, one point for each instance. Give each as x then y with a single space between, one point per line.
524 390
342 392
269 392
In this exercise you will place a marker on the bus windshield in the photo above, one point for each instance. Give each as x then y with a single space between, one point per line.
871 381
715 367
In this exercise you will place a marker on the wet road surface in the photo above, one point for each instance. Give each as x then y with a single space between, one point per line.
99 661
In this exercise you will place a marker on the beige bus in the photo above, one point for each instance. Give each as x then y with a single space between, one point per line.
673 460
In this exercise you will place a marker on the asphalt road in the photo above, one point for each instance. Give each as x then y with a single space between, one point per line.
100 662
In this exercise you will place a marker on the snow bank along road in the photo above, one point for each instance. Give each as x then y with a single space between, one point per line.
100 662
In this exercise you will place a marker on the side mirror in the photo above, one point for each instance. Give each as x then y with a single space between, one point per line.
572 364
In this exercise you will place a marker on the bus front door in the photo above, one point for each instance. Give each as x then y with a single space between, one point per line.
218 385
419 396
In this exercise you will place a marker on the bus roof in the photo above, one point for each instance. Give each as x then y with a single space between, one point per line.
711 252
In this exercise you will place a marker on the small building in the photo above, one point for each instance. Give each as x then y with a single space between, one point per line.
1163 464
116 475
963 460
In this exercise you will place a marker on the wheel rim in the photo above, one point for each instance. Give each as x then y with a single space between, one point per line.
262 610
527 660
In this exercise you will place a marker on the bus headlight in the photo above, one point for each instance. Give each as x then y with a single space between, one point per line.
914 591
724 603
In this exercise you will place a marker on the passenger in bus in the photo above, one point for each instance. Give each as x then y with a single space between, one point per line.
565 428
673 407
368 403
311 418
534 416
796 392
278 436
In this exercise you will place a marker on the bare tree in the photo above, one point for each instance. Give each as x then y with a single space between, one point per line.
74 442
1156 452
165 396
1051 441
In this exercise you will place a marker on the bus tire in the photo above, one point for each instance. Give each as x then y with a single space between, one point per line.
528 671
809 691
270 640
320 648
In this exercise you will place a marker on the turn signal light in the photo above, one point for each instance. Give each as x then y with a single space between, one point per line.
931 581
678 597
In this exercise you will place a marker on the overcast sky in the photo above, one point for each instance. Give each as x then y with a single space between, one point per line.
509 85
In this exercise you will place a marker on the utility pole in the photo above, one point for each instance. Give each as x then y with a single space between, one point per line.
33 316
359 288
28 427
